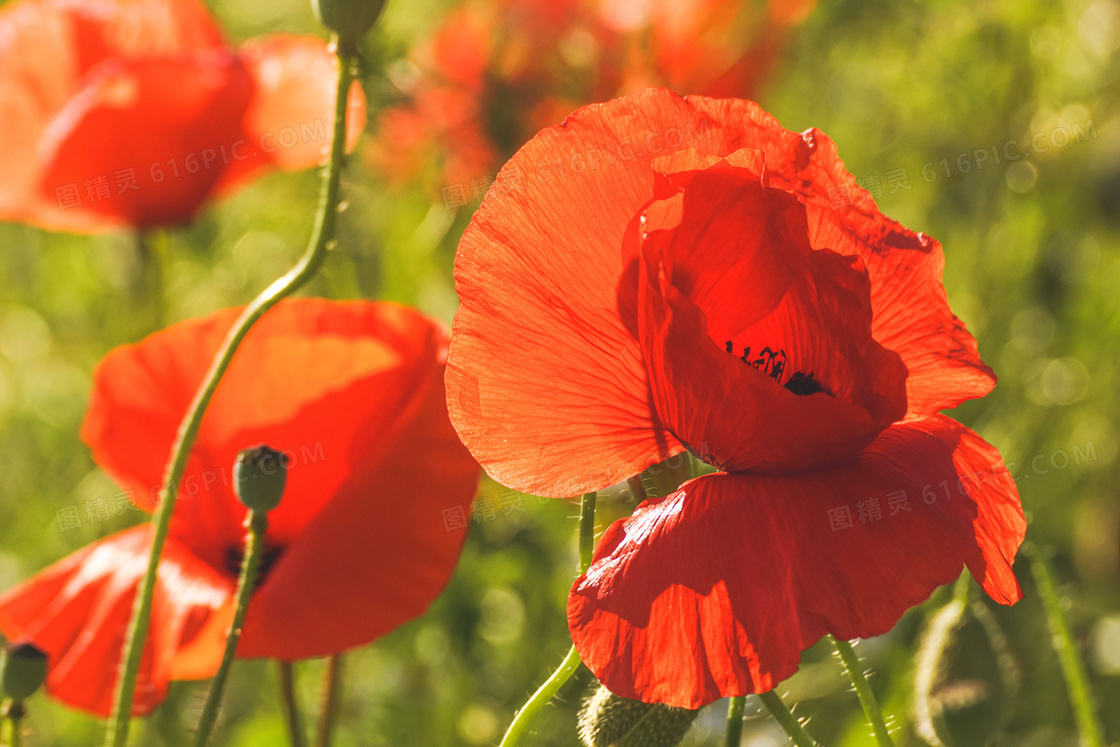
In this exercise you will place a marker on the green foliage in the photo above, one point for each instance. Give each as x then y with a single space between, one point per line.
1032 266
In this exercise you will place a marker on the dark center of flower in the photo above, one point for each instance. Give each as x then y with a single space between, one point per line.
773 364
802 383
235 556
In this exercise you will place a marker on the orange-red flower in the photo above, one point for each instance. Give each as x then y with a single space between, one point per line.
496 71
659 274
134 112
361 543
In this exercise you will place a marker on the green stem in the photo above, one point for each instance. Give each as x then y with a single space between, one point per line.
151 263
321 236
863 691
571 662
785 718
290 705
638 488
1080 693
254 545
332 697
735 721
14 712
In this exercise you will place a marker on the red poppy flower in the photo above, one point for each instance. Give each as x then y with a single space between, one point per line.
360 544
140 111
657 274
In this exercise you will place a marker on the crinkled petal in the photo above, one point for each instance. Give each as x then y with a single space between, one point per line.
546 385
715 590
759 349
912 314
78 610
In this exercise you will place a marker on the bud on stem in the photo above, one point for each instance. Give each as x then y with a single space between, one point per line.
259 477
25 671
608 720
350 19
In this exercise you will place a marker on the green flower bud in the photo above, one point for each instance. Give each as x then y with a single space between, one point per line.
259 476
350 19
25 671
965 680
608 720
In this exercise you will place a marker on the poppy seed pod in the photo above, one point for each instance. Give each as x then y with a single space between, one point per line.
350 19
609 720
260 474
24 671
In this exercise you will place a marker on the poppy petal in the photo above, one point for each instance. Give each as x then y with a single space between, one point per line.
353 392
34 87
386 545
292 384
78 609
544 379
715 590
799 356
144 142
912 314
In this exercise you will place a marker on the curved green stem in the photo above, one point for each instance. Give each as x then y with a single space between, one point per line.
785 718
571 662
863 691
254 546
1080 693
332 698
290 705
735 721
321 236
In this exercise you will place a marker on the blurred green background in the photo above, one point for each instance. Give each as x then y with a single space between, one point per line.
1033 267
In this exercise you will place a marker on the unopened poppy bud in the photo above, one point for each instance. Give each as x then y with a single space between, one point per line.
965 681
350 19
609 720
259 476
25 670
964 713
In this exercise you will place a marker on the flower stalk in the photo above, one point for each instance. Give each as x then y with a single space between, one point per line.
322 235
332 699
863 691
13 714
785 718
257 524
571 662
1073 669
735 710
290 705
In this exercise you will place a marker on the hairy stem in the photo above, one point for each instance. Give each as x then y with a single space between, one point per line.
321 236
254 545
863 691
571 662
1073 668
785 718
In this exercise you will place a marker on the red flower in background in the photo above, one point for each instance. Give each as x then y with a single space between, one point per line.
134 112
690 286
359 545
495 72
